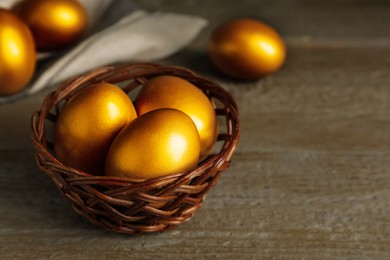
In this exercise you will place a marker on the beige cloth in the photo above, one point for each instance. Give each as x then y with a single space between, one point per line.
118 32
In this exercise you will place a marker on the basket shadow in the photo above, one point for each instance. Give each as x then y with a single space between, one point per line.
38 207
33 203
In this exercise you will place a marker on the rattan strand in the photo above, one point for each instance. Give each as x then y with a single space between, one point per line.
128 205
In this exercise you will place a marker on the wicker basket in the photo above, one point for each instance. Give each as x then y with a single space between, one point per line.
127 205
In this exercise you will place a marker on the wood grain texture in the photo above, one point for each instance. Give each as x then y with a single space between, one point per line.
311 176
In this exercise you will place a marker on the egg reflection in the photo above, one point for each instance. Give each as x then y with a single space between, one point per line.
177 146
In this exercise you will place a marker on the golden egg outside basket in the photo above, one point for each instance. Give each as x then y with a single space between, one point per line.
127 205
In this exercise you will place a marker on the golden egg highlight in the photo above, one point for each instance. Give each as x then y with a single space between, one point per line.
88 124
54 24
161 142
246 49
177 93
17 54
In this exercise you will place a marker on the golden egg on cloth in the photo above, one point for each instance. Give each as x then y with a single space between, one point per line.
55 24
246 49
17 54
89 123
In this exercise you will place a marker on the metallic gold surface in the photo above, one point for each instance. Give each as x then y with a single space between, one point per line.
247 49
158 143
174 92
17 54
89 123
55 24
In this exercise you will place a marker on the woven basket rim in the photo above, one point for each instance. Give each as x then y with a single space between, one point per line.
55 97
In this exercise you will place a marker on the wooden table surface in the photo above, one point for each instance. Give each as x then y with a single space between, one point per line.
309 180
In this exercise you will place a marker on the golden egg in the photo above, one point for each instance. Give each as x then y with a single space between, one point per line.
161 142
17 54
247 49
175 92
54 23
89 123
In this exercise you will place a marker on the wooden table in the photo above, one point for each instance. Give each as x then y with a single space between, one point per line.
310 178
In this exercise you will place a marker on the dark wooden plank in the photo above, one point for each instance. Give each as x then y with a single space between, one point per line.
296 18
278 203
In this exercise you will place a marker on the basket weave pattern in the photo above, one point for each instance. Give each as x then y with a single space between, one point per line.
128 205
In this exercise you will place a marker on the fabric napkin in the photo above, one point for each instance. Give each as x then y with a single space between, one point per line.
118 32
